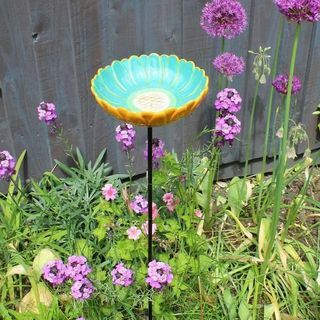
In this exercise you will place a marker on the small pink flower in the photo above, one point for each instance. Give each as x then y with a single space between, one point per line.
134 233
198 213
144 228
109 192
171 203
167 197
155 212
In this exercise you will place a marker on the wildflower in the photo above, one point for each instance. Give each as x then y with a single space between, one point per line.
281 84
227 127
300 10
157 151
145 228
47 112
81 318
198 213
77 268
223 18
82 289
228 100
159 274
54 272
229 64
171 203
126 134
122 276
139 205
7 165
109 192
134 233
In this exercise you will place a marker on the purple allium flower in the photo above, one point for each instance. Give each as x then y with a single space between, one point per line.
281 84
82 289
159 274
77 268
126 135
229 64
47 112
54 272
157 151
139 205
7 165
223 18
122 276
228 101
227 127
300 10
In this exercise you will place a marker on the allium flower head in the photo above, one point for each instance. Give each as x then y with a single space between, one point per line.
145 228
109 192
227 127
223 18
122 276
159 274
134 233
228 101
229 64
300 10
47 112
77 268
281 84
139 204
82 289
157 151
54 272
7 165
126 135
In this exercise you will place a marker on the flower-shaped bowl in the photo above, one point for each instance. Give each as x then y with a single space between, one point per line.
150 90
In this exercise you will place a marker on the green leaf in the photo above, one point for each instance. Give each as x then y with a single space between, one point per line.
17 168
230 303
244 312
82 248
237 194
65 168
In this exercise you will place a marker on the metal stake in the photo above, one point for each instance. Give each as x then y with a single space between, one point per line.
150 212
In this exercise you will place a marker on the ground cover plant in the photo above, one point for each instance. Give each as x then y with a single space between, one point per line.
75 246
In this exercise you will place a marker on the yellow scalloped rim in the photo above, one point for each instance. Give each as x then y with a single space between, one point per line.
152 119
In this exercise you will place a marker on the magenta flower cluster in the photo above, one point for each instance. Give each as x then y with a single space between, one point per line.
228 101
281 84
159 274
76 269
227 124
229 64
122 276
157 151
139 204
126 135
7 165
300 10
223 18
47 112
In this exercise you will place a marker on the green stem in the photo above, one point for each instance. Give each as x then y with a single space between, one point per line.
220 83
269 113
282 156
248 142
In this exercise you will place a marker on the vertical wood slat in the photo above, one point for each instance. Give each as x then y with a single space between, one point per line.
73 38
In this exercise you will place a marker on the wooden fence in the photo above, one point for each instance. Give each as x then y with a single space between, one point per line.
49 50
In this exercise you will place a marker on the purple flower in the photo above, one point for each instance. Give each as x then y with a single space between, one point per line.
281 84
228 101
7 165
77 268
47 112
122 276
223 18
229 64
81 318
227 127
159 274
82 289
126 135
54 272
139 205
157 151
300 10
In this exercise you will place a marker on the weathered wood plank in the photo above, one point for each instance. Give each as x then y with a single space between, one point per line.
20 86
